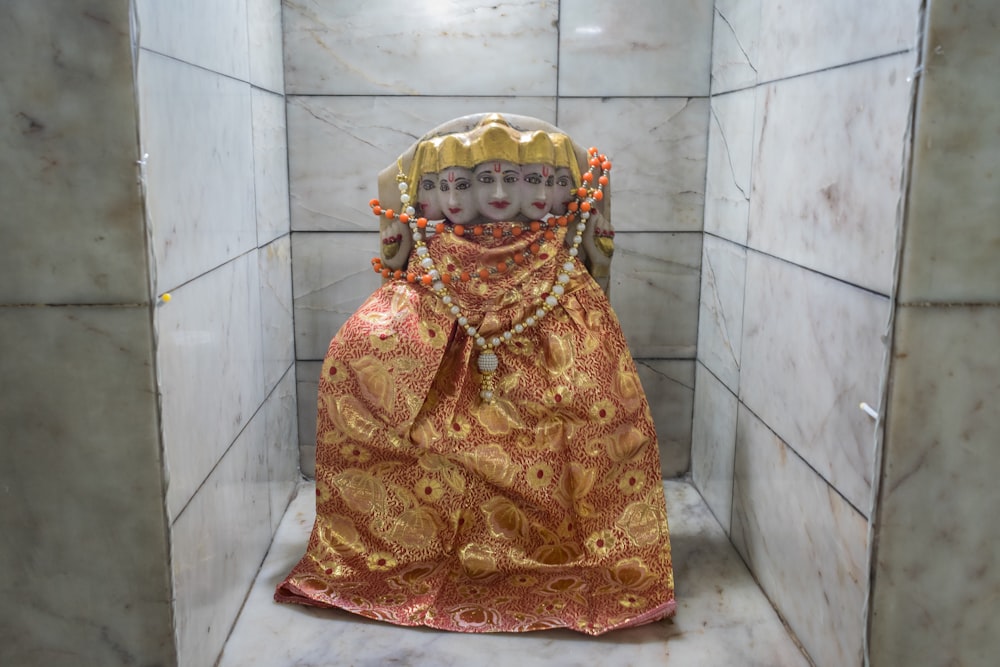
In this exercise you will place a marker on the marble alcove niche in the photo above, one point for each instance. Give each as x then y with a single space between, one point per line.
798 161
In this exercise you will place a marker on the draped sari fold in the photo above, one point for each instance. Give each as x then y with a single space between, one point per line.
542 509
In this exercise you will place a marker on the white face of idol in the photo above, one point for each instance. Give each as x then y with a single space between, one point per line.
455 195
497 187
562 190
537 184
428 205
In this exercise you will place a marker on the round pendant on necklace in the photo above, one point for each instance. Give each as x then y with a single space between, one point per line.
488 364
488 361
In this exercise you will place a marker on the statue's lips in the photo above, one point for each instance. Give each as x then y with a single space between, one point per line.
539 205
454 211
500 204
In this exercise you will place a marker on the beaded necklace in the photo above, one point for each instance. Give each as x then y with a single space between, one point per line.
584 199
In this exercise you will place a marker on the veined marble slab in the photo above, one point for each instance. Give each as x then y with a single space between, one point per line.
212 35
331 277
811 35
937 575
196 130
952 240
270 165
307 393
735 44
654 291
277 335
84 559
669 388
657 147
210 371
398 47
265 41
812 352
281 446
713 444
217 544
720 316
634 48
730 163
805 544
827 169
72 224
338 145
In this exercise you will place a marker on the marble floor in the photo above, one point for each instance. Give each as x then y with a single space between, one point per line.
722 618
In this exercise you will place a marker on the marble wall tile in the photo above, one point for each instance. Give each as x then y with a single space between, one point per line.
307 390
72 223
654 291
721 612
669 387
799 37
331 277
713 443
195 127
812 351
808 553
658 149
218 543
735 38
84 578
276 326
936 574
398 47
264 39
730 158
634 48
952 236
827 166
210 371
212 35
720 314
270 165
282 445
338 146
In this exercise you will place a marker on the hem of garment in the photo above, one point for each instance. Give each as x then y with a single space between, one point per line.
288 593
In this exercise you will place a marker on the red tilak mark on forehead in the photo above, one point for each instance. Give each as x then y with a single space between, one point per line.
545 170
496 167
451 177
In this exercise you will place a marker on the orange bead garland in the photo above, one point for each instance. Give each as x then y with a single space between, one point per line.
585 196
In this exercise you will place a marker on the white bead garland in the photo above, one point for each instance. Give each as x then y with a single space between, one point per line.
487 361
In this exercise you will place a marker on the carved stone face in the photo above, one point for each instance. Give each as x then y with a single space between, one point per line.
497 187
428 205
537 184
562 190
455 195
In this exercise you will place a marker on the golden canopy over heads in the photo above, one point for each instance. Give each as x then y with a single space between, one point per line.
493 138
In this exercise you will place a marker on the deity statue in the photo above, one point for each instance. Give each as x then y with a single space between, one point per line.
486 460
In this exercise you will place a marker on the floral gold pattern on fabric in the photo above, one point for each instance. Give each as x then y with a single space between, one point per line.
375 382
540 510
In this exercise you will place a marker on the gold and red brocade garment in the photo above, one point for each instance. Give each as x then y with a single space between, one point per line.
541 510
